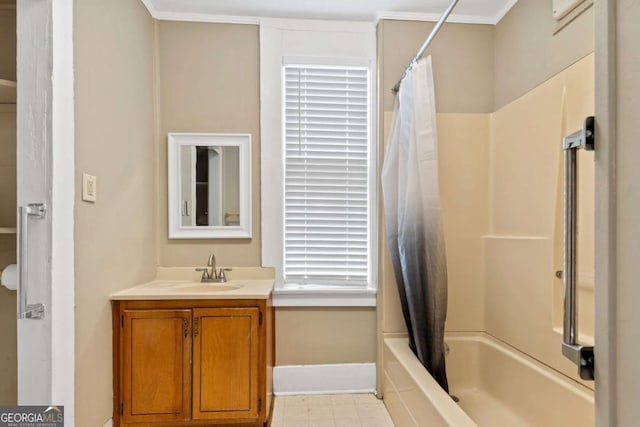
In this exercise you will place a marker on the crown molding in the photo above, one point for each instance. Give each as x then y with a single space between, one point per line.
199 17
149 5
505 9
434 17
205 17
398 16
453 18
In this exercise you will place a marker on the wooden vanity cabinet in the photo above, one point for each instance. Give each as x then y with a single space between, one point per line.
225 363
192 362
156 370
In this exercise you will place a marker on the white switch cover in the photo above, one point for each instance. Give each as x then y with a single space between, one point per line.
89 188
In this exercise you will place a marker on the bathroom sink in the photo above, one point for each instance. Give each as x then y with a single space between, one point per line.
197 287
167 284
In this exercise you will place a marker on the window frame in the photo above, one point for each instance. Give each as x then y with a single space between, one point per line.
358 38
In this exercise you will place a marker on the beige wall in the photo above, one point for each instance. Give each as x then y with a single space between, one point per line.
8 355
309 336
526 51
115 237
209 78
462 63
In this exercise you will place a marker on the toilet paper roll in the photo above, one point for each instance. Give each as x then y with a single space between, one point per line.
9 277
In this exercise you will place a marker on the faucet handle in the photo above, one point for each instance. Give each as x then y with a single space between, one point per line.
205 273
223 276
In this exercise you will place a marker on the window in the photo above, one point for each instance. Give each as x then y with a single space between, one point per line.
318 157
327 203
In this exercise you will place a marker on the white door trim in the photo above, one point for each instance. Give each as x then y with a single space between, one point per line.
62 209
617 52
605 216
45 129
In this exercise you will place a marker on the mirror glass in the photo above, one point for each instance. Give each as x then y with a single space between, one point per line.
210 181
209 186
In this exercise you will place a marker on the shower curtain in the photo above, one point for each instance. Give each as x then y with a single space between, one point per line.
413 220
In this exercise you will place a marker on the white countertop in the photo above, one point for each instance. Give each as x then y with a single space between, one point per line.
183 283
188 289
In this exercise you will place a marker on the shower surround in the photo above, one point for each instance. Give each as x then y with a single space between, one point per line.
501 188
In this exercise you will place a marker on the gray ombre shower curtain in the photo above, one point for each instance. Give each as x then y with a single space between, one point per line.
413 220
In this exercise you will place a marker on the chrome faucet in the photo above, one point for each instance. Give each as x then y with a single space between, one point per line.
212 264
209 273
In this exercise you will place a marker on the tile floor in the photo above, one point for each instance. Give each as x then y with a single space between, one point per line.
336 410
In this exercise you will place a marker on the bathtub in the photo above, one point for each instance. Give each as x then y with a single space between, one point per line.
496 386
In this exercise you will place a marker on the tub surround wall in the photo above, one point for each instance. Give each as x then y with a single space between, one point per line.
501 185
114 237
514 245
527 53
523 247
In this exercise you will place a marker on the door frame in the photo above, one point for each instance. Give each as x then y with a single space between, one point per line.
605 211
45 144
617 207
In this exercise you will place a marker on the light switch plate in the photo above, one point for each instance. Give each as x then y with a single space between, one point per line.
89 187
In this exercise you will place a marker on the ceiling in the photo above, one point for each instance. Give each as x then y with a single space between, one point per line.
468 11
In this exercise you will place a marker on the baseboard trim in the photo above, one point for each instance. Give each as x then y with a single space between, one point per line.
345 378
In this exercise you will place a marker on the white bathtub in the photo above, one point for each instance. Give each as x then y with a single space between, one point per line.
496 384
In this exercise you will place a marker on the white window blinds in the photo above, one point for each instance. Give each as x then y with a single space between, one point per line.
326 222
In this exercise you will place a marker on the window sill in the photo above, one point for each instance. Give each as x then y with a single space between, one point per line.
324 297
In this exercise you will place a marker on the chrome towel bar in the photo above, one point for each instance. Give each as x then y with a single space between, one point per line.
26 310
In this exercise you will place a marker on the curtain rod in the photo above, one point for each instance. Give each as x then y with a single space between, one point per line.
426 43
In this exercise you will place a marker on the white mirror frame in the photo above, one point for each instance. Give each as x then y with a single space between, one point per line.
176 229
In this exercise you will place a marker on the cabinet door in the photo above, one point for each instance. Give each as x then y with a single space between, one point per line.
156 365
225 363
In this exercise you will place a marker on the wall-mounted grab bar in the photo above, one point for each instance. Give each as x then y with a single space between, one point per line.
26 310
581 355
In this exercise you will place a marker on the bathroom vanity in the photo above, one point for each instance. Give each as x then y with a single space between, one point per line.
191 353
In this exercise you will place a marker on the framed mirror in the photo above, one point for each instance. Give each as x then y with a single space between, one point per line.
209 185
